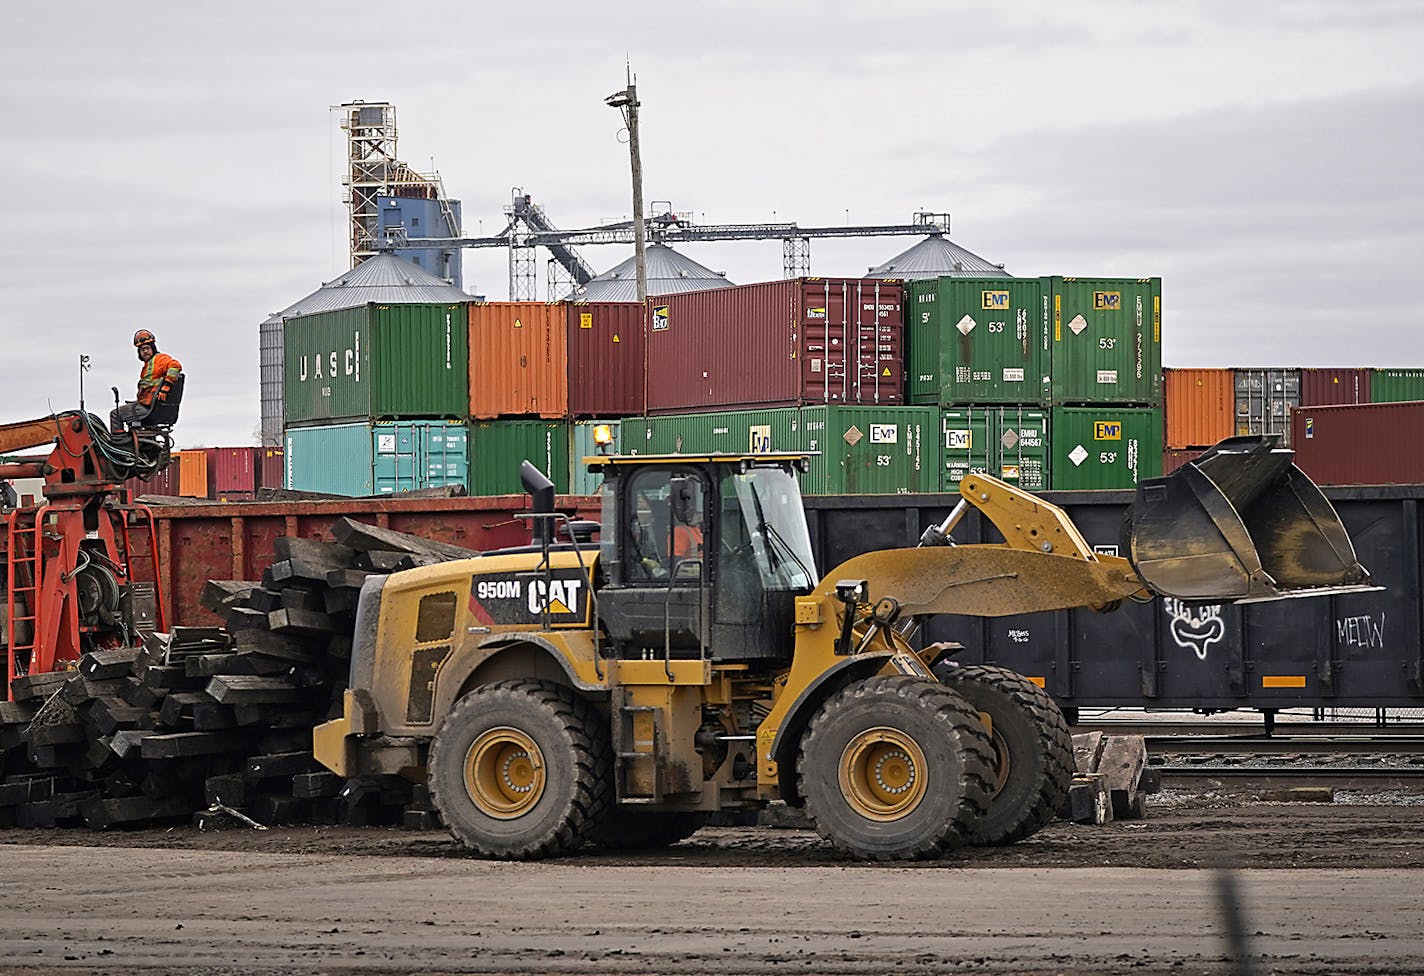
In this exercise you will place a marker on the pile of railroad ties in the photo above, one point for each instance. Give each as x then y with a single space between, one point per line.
215 723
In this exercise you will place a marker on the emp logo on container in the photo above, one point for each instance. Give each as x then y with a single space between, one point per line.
660 318
995 299
759 438
1107 430
1107 301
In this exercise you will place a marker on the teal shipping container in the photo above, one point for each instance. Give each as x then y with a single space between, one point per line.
1106 344
976 341
1396 385
499 447
1106 446
375 459
861 450
581 480
376 362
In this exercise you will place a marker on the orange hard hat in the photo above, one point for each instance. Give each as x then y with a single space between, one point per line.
144 338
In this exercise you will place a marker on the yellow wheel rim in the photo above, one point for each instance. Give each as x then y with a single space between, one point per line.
504 773
883 774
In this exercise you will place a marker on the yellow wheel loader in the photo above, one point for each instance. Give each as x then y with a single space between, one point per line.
691 660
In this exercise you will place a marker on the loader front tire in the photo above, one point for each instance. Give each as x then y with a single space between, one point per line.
522 770
1033 751
895 767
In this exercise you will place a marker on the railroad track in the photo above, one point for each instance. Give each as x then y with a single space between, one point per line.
1289 777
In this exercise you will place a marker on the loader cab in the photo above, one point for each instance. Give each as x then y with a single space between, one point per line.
702 556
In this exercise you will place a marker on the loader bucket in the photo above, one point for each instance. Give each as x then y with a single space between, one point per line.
1240 522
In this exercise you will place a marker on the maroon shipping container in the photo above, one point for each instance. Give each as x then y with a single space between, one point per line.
271 471
232 469
1368 444
1174 458
780 343
1319 387
164 482
605 349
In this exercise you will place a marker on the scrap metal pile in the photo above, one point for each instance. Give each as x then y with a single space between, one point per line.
214 723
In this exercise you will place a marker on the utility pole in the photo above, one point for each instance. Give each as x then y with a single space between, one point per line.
626 102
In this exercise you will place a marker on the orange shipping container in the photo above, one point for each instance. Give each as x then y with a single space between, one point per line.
1201 406
518 360
193 474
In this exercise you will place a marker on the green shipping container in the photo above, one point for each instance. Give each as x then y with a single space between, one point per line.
968 444
376 362
863 450
719 432
1021 436
375 459
1396 385
871 450
1106 343
976 340
498 447
1104 447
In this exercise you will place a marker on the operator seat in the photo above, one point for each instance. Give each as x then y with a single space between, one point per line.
164 415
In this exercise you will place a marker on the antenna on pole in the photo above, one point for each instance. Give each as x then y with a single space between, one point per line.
626 101
83 368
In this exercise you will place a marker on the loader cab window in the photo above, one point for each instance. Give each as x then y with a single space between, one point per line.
663 539
764 541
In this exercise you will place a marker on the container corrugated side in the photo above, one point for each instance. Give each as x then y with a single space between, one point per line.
1201 406
1105 446
606 343
714 432
272 469
1265 398
518 360
1396 385
334 459
193 474
376 362
1319 387
231 469
1366 444
782 343
1106 342
498 447
871 450
1174 458
976 341
165 482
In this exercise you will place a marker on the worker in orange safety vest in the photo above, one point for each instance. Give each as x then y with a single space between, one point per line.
159 372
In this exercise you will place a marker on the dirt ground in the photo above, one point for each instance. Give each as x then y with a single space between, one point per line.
1326 888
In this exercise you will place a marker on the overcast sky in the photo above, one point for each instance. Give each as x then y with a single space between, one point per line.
175 165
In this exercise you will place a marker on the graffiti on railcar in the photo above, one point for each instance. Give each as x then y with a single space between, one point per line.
1360 631
1194 628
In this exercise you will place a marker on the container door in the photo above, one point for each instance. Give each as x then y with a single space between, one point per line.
394 458
1106 340
1022 439
922 339
968 444
444 457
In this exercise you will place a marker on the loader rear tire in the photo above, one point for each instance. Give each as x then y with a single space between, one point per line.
1033 751
522 770
644 830
895 767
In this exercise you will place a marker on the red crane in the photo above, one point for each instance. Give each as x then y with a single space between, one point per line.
80 564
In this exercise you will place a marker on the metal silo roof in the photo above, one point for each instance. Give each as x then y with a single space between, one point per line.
668 272
385 279
934 257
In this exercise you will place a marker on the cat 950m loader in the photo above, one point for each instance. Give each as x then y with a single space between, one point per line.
691 660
